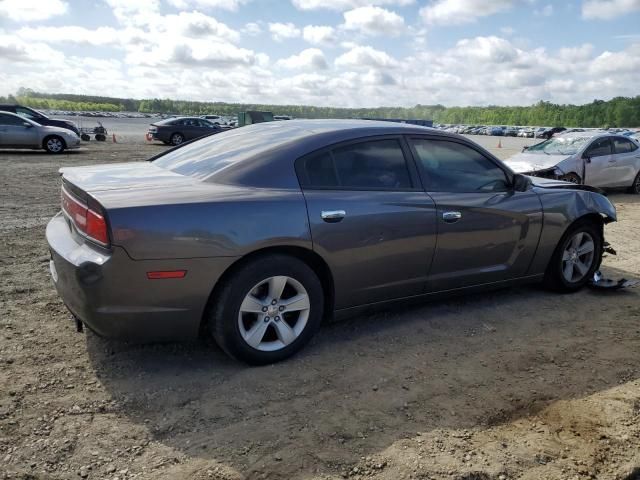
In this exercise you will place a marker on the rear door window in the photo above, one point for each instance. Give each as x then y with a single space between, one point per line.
623 145
370 165
10 120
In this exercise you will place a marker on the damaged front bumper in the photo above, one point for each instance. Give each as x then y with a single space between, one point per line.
600 282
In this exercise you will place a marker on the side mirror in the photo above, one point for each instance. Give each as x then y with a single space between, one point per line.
587 158
521 183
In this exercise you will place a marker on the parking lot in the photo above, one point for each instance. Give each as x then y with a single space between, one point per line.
518 383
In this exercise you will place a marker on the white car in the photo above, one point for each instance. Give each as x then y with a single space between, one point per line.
599 159
20 132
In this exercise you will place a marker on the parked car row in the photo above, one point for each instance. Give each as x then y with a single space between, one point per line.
524 132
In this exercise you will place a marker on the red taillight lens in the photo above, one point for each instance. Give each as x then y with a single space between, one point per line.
88 222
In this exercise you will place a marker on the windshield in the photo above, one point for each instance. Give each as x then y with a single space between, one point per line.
559 146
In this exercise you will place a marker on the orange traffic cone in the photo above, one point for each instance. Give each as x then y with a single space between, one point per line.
499 144
114 138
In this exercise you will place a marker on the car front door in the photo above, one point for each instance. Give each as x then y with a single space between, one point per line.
626 162
370 219
16 132
598 158
487 231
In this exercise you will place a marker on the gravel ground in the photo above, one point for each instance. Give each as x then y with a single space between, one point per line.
518 383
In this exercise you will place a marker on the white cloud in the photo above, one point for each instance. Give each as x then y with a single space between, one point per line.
319 34
231 5
283 31
253 29
365 56
457 12
373 21
133 12
31 10
345 4
311 58
545 11
608 9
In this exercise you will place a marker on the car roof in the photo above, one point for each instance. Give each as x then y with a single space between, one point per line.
590 134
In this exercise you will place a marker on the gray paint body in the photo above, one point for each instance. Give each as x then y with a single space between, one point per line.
391 244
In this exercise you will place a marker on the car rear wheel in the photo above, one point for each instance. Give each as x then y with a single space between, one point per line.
177 139
635 188
576 258
268 310
54 144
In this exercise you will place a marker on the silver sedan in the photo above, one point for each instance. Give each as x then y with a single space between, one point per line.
20 132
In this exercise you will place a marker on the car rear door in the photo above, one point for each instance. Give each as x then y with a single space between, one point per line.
370 219
487 231
626 162
598 158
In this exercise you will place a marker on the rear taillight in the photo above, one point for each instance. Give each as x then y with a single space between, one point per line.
87 221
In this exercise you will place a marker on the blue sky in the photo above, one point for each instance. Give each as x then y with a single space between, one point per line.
325 52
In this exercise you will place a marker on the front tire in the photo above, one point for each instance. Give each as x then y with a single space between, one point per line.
54 144
267 310
576 258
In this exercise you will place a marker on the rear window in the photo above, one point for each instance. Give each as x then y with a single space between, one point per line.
370 165
209 155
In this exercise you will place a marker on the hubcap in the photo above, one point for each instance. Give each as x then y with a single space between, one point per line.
273 313
54 145
578 257
177 139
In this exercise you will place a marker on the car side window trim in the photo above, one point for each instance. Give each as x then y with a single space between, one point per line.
423 175
414 178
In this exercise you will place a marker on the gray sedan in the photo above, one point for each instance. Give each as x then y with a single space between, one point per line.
19 132
256 234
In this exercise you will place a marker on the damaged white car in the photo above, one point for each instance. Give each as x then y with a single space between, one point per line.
599 159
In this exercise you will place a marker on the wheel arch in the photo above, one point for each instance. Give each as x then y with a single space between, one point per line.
309 257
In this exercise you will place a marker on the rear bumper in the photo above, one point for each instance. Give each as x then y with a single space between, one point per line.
111 294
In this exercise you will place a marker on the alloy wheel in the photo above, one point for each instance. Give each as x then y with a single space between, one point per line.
54 145
274 313
578 257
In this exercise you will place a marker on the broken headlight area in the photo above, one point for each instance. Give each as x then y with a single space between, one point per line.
600 282
553 173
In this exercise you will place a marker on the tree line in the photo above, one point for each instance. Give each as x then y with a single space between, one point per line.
617 112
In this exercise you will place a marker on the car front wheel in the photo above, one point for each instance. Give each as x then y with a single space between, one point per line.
54 144
576 258
267 310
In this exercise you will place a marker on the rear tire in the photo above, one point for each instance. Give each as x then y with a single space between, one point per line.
54 144
177 139
635 187
576 258
253 323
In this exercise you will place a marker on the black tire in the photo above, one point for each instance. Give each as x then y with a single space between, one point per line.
85 137
635 187
224 311
554 278
572 178
100 137
177 139
54 144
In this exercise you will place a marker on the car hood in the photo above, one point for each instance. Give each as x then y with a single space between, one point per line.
45 129
531 162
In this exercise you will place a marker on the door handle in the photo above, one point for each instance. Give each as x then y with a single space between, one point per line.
451 217
332 216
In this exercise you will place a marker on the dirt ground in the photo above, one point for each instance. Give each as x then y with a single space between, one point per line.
519 383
